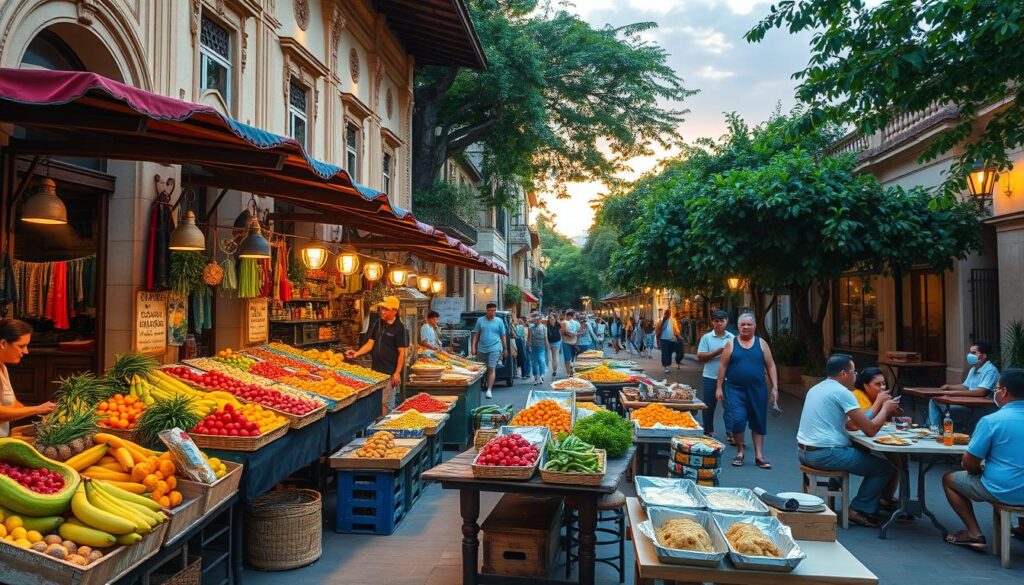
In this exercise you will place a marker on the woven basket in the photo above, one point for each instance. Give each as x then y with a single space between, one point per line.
575 477
482 436
190 575
518 472
249 444
284 530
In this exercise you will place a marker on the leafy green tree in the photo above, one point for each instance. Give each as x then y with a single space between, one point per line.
561 101
788 217
569 275
870 63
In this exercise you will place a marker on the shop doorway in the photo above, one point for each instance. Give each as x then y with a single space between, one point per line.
921 314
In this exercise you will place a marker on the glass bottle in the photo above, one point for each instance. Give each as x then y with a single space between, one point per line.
947 430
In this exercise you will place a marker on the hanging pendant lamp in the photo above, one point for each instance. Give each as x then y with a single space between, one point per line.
347 260
423 283
254 245
44 207
398 275
314 254
437 284
186 237
373 271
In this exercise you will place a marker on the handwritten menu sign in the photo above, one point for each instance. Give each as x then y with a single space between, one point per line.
150 335
257 321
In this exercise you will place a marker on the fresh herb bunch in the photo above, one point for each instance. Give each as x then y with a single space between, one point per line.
178 412
187 272
81 391
62 434
130 364
605 430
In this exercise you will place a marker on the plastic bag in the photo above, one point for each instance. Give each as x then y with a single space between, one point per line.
187 456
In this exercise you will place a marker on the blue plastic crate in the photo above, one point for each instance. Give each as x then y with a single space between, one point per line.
414 484
370 502
437 451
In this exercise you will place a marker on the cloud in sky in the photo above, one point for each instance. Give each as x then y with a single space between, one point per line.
704 39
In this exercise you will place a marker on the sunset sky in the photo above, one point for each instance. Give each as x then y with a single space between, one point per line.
704 39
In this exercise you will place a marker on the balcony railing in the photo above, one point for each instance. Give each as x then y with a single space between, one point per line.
901 127
519 236
450 223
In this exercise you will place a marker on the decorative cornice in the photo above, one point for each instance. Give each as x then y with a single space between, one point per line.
86 11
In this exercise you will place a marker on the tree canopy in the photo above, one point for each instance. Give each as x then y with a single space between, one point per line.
784 214
869 64
561 101
570 274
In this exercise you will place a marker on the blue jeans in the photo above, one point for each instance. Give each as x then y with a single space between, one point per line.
961 415
538 360
708 390
667 347
874 470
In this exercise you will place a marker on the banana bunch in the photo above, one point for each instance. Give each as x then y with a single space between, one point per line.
141 389
105 515
161 386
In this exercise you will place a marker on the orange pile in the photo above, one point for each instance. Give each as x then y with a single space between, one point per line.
546 413
157 474
653 414
120 411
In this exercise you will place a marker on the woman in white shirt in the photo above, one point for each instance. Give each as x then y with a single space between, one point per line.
15 336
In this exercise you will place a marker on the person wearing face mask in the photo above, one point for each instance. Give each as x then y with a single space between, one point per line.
980 381
993 466
15 336
822 442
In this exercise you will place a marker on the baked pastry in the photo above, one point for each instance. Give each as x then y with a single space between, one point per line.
684 534
749 540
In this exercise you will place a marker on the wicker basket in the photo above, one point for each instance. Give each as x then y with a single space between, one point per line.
518 472
482 436
284 530
225 443
575 477
190 575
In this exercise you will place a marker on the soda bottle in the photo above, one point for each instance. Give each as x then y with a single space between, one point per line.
947 430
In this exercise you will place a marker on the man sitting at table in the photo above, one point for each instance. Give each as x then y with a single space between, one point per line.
994 462
822 441
980 381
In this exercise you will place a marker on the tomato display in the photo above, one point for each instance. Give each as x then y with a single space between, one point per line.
508 451
41 480
228 422
269 397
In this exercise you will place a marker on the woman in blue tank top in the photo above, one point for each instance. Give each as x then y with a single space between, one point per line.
742 387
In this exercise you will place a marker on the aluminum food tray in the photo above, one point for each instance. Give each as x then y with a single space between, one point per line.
658 516
668 492
665 432
773 529
759 509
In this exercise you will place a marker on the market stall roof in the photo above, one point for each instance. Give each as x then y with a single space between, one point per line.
101 118
436 32
529 297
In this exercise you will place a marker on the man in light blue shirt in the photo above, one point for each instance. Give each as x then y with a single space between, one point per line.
980 381
709 352
490 342
994 461
822 442
428 332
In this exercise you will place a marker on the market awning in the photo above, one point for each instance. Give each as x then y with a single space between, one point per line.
530 298
101 118
436 32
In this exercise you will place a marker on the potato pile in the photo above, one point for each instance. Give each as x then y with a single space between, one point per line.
381 446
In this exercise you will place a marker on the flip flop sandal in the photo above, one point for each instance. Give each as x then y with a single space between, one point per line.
763 463
731 440
738 460
861 519
972 542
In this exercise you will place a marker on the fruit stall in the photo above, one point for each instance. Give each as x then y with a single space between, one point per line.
440 373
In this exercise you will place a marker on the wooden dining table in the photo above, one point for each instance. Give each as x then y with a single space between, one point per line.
827 563
901 370
457 473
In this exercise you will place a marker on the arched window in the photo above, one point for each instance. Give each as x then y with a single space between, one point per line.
49 51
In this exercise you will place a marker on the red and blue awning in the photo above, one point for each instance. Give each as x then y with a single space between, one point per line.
100 118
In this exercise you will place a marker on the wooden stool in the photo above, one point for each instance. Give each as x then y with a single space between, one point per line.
610 508
1002 521
816 481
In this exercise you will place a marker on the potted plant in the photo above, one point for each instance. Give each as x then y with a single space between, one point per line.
513 296
790 356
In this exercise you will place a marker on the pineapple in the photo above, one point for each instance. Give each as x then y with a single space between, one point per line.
62 435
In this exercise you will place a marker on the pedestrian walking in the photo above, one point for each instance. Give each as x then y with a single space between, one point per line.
681 340
666 335
745 361
649 337
537 345
570 329
490 342
554 343
709 352
523 355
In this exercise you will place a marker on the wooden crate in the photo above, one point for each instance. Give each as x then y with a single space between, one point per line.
820 526
213 494
521 536
188 512
345 458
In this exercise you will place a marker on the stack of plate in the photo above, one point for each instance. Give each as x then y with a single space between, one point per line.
808 503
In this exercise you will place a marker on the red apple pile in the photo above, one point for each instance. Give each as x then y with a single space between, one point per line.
227 423
269 397
508 451
41 480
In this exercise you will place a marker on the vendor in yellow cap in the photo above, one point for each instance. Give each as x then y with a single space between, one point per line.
387 342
